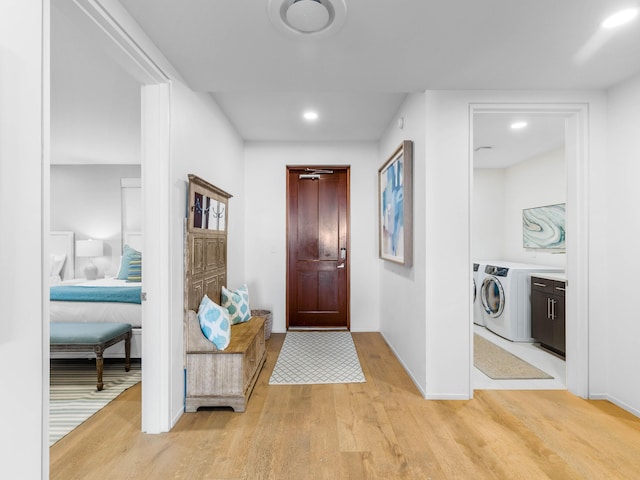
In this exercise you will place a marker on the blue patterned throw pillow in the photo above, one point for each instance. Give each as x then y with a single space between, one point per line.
214 323
237 304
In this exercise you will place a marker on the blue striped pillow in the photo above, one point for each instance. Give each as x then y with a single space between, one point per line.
127 255
135 268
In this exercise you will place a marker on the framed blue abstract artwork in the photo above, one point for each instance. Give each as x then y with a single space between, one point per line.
543 227
395 183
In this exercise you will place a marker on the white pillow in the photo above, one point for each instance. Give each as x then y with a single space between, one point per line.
56 262
214 323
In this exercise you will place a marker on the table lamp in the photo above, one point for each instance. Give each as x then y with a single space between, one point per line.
89 248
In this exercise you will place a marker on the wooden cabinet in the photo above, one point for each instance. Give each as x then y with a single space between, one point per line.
205 242
548 313
217 378
214 378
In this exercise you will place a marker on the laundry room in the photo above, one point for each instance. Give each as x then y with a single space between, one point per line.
519 196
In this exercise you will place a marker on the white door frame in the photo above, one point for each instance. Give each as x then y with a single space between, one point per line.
108 25
577 221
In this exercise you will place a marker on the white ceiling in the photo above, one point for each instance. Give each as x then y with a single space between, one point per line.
497 145
358 78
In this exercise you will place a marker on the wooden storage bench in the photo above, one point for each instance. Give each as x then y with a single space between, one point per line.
91 337
226 377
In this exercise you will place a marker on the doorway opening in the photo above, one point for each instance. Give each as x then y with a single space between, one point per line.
569 159
100 27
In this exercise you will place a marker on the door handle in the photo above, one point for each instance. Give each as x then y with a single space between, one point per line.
340 266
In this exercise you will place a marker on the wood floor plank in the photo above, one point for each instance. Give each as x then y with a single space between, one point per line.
381 429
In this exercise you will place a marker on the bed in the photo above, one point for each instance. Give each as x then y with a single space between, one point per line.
103 300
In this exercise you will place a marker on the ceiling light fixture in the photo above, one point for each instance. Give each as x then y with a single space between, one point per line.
518 125
308 18
310 115
620 18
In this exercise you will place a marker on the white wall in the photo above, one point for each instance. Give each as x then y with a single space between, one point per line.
487 214
23 151
266 207
402 289
448 207
619 302
203 143
95 104
500 195
536 182
86 199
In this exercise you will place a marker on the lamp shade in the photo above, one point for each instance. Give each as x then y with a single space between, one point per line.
89 248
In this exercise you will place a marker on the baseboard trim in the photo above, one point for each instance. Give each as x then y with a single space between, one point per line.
616 402
404 366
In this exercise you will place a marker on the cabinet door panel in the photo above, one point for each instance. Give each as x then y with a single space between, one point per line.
541 324
559 335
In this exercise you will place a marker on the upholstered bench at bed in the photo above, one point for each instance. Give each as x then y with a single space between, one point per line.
95 337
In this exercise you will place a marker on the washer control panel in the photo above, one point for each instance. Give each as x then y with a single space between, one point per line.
496 271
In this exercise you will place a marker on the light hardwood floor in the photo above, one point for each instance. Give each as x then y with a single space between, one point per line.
381 429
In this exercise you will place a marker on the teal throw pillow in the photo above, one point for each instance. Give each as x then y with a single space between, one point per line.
237 304
127 254
214 323
135 268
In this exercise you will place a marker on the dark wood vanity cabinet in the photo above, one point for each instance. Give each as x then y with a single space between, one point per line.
548 313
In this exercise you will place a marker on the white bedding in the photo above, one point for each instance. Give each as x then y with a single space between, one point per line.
97 311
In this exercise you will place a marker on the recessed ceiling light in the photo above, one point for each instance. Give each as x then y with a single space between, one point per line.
310 115
620 18
518 125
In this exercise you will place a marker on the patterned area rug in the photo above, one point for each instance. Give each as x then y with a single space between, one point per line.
317 357
73 396
495 362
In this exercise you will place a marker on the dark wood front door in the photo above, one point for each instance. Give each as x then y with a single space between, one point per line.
318 247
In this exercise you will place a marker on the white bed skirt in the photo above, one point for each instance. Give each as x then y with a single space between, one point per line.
100 312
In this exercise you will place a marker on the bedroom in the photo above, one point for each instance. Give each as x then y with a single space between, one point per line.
95 177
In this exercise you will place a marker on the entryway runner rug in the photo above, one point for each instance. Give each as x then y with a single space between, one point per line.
317 357
73 396
497 363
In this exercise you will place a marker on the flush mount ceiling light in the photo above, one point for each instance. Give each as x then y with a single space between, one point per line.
518 125
620 18
308 18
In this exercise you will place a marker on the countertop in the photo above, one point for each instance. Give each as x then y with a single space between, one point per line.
560 276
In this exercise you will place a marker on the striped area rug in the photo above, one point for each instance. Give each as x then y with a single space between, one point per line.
317 357
495 362
73 396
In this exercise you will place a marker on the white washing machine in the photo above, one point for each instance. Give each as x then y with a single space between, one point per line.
506 298
478 277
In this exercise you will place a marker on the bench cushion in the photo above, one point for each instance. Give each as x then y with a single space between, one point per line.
68 333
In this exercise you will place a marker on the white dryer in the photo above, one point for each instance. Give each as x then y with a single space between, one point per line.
506 298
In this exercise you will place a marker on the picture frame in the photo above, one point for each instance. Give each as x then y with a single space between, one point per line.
543 228
395 206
